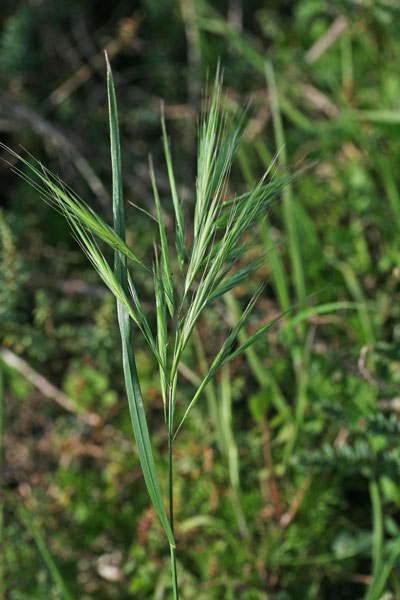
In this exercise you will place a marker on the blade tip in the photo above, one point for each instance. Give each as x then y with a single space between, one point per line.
107 61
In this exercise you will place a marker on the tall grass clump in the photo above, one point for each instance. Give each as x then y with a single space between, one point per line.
187 277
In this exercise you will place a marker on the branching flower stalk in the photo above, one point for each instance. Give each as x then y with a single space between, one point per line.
186 279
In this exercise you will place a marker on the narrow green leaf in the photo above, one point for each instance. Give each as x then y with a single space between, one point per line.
135 400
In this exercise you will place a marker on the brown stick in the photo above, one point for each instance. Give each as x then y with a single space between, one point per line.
46 388
325 41
289 515
127 28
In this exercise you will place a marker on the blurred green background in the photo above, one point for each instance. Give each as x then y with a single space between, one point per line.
288 471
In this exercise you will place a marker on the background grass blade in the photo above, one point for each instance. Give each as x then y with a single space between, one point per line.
289 207
230 448
45 552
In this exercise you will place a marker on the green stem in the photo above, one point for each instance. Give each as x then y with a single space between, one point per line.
171 483
174 574
171 409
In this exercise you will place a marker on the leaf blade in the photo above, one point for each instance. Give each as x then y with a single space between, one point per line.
135 400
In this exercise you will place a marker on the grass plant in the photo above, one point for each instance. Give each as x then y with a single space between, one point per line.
188 277
307 420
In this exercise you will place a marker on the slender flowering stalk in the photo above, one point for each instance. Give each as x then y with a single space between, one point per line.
187 278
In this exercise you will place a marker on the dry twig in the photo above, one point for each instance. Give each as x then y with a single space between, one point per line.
338 26
45 387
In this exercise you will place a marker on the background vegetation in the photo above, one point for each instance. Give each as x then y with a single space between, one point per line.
288 469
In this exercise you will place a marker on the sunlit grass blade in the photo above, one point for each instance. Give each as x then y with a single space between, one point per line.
288 201
131 377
